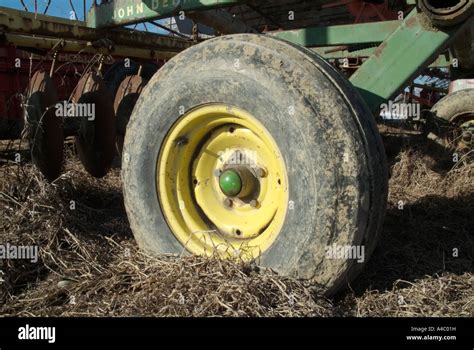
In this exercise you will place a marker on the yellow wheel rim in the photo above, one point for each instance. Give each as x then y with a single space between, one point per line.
202 145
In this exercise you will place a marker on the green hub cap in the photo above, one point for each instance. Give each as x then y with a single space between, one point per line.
230 183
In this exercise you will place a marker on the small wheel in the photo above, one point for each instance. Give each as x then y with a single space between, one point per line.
247 146
95 140
125 100
454 116
44 128
447 13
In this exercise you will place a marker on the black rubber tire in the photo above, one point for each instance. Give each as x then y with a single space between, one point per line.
333 153
454 106
449 113
449 15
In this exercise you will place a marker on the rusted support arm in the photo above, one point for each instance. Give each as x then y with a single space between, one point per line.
20 22
67 45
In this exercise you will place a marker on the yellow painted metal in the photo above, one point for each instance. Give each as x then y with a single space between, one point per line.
201 144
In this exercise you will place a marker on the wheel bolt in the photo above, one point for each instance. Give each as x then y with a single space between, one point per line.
466 136
228 202
261 172
218 172
254 203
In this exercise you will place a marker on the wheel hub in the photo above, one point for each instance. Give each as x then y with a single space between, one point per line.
226 187
230 183
240 182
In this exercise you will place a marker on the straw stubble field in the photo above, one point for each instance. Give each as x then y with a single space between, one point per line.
90 266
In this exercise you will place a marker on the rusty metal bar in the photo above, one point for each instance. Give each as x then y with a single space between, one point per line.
14 21
67 45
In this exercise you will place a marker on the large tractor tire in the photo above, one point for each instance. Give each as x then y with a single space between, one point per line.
249 147
447 13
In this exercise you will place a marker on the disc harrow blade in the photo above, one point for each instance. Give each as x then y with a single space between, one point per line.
95 140
44 128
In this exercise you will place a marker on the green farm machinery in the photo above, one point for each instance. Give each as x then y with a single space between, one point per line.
259 141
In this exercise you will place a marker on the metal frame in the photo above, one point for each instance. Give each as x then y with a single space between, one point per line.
414 45
393 52
19 27
125 12
68 45
400 49
361 33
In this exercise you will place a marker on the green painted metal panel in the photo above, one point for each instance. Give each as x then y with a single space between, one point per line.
340 34
407 51
123 12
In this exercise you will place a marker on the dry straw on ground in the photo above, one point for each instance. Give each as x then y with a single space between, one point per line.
90 265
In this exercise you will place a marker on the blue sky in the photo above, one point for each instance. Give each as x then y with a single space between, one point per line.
58 8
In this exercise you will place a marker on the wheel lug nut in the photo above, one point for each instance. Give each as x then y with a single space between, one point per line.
466 136
261 172
228 202
254 203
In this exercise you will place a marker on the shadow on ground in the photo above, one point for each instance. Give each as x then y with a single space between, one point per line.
431 236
